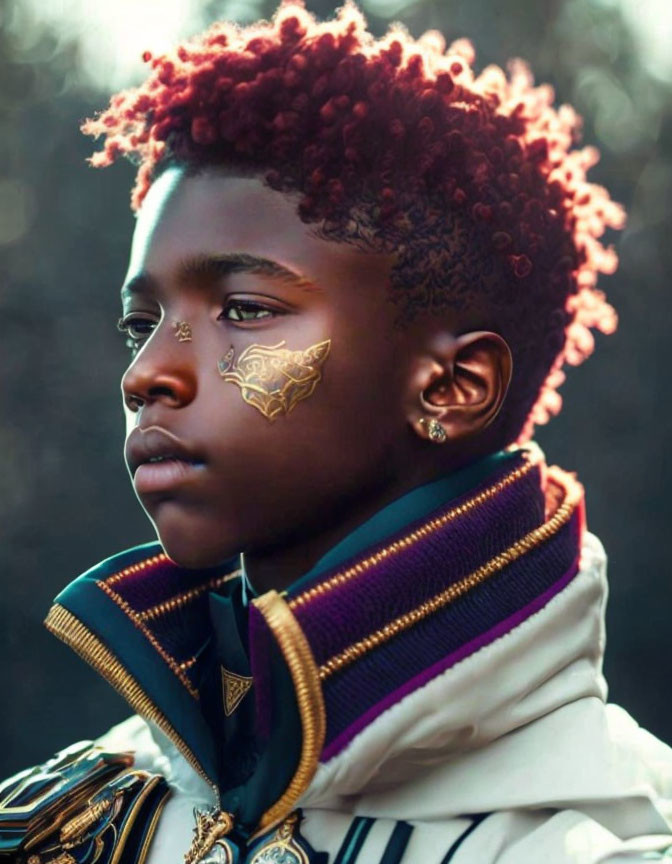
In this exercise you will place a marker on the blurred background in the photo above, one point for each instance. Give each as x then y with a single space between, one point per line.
66 500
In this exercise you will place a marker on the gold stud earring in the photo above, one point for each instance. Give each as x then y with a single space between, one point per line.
182 331
435 431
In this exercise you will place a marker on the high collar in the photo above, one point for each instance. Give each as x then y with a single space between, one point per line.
359 634
392 518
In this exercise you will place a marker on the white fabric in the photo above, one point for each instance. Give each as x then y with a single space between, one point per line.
519 730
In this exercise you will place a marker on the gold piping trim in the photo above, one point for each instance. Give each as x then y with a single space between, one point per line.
187 664
180 600
69 629
452 593
132 816
303 669
151 638
136 568
396 546
149 834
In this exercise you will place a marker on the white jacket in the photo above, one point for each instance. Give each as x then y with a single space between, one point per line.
485 764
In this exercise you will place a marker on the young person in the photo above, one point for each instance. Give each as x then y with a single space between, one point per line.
371 627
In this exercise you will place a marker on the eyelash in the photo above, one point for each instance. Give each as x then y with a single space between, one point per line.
134 342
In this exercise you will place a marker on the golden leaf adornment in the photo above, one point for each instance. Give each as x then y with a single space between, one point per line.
273 378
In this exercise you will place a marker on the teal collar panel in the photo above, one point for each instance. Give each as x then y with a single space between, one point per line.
165 637
142 622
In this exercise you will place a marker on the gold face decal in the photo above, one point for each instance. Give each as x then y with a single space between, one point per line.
273 378
182 331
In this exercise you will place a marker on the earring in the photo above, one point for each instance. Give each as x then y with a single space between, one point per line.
182 331
435 430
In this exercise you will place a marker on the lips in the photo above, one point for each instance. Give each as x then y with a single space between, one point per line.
157 447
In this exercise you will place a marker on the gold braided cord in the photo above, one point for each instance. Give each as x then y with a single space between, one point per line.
303 669
151 638
69 629
136 568
574 492
412 537
181 600
79 824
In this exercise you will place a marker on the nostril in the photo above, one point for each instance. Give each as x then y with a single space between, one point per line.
134 402
161 390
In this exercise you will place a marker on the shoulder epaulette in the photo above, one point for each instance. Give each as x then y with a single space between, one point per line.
84 805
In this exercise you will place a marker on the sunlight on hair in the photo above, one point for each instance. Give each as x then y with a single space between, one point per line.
380 126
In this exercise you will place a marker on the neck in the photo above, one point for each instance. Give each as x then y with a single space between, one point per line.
278 566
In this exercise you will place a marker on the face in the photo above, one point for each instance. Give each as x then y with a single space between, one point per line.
283 392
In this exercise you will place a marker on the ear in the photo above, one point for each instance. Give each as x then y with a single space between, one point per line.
459 382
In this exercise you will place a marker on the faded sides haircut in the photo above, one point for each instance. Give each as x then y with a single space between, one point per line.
395 144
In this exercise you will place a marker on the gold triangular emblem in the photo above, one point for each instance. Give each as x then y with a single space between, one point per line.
234 688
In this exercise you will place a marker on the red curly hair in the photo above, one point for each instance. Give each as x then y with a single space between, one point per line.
395 144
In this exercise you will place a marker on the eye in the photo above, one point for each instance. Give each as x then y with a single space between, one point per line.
246 310
137 328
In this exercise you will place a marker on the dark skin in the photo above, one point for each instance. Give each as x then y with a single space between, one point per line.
283 492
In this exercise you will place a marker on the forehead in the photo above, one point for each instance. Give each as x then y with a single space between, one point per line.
215 213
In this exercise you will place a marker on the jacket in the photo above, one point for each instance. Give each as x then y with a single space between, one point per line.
431 691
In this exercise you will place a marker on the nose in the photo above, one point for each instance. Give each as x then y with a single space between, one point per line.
163 371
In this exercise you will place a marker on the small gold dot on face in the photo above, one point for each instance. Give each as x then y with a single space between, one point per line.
182 331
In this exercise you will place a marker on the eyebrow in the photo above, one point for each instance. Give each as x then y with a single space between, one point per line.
217 267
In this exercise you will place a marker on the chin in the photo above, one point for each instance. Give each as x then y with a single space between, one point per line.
193 545
185 553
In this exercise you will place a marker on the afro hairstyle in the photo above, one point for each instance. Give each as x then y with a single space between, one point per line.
392 143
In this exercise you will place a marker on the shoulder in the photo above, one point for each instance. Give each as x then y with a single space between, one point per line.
503 837
133 735
593 553
91 801
154 751
565 836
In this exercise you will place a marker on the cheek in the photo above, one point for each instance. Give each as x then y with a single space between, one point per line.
364 386
270 476
334 412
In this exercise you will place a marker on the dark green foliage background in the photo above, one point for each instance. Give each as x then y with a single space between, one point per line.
66 501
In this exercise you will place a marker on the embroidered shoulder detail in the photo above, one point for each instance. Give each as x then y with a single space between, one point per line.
162 600
84 805
130 589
